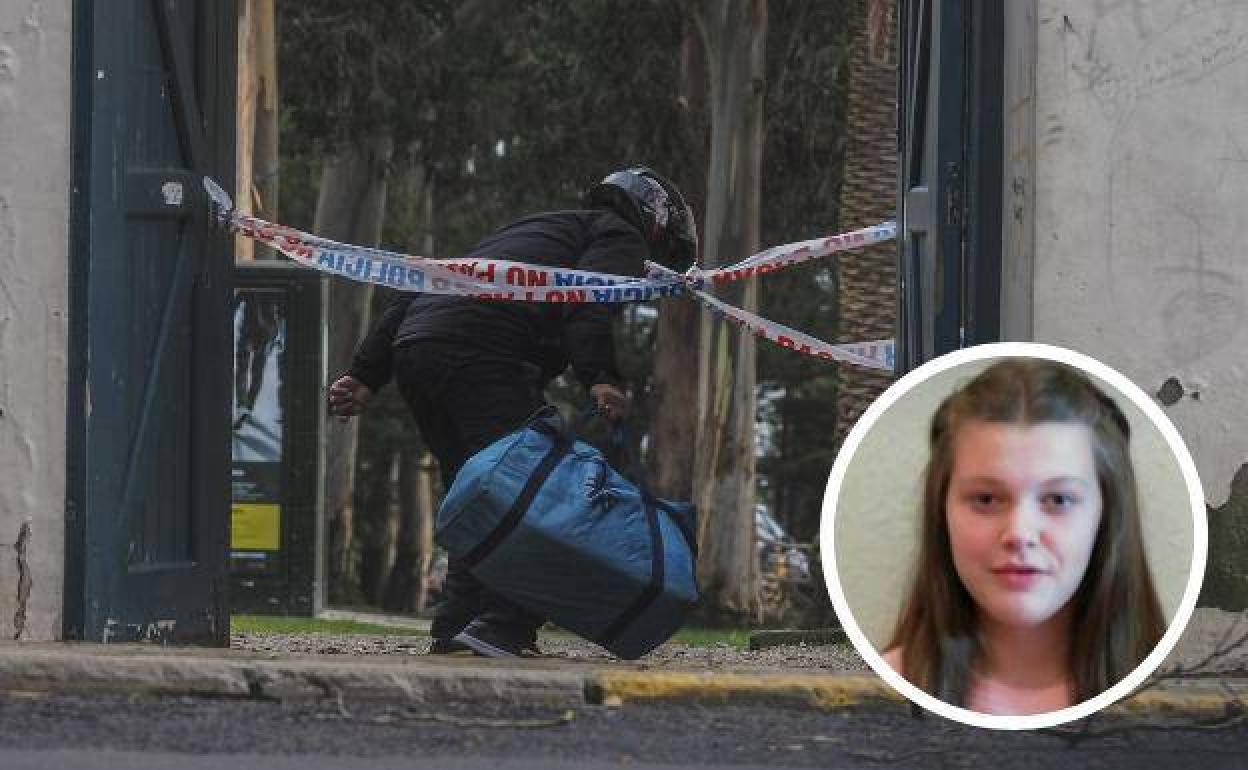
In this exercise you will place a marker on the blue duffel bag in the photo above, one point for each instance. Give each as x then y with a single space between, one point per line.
541 519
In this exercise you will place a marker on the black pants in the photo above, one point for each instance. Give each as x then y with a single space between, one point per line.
463 401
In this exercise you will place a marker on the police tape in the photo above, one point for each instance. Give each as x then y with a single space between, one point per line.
500 279
879 354
507 280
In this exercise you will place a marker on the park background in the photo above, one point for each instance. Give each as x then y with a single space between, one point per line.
1090 165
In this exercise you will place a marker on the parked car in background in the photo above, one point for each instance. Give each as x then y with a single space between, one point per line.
780 557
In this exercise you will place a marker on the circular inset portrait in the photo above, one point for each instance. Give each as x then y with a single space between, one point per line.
1014 536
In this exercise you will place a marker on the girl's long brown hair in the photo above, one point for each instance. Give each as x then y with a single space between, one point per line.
1117 617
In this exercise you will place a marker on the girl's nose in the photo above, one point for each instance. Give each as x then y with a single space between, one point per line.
1021 531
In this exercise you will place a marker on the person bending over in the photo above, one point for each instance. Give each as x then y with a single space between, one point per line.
472 370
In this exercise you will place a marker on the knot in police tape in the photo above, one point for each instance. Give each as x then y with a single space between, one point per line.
695 279
501 279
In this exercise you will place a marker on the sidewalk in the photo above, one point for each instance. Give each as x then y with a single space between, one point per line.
559 680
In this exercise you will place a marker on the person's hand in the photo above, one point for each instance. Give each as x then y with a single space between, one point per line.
347 396
610 400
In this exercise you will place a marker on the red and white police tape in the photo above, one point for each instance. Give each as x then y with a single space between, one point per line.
500 279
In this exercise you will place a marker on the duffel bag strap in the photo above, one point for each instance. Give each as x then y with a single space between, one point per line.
653 588
562 442
620 442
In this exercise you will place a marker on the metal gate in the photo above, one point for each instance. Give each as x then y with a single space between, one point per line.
950 137
150 361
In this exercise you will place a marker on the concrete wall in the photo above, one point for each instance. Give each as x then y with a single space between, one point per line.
1131 223
35 97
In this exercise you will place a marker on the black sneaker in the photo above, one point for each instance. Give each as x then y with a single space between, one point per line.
494 641
441 646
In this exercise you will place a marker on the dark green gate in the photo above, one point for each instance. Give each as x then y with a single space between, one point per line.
950 142
150 351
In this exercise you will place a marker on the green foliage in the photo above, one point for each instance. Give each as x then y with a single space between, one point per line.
695 636
280 624
343 67
580 96
804 154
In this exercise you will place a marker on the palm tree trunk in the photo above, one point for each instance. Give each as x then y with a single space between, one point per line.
868 278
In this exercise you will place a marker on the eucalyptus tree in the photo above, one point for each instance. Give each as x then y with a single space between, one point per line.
501 107
522 113
804 147
258 180
734 34
366 88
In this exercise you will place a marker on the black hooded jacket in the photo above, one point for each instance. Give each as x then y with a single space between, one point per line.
546 334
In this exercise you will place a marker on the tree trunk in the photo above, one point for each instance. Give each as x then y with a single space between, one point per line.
387 534
426 509
244 247
405 589
350 207
407 586
380 554
674 441
867 278
265 162
734 33
257 159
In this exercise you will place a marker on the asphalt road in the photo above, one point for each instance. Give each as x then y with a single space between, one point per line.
194 734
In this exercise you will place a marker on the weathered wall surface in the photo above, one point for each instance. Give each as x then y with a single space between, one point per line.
35 46
1140 247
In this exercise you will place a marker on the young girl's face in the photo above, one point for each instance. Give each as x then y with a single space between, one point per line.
1022 510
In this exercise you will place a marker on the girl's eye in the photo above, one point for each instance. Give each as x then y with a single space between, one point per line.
1060 500
983 500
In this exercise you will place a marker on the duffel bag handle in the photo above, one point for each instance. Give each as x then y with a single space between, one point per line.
619 440
549 420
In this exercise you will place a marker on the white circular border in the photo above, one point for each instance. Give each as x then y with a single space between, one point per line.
1200 534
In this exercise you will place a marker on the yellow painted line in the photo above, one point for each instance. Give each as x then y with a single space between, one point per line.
835 692
819 690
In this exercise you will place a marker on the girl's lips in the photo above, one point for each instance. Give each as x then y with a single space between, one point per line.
1019 577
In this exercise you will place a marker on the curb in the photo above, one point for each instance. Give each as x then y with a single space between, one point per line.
130 671
832 692
823 691
761 640
1192 698
175 675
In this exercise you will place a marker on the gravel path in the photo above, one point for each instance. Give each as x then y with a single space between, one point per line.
1208 629
832 657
